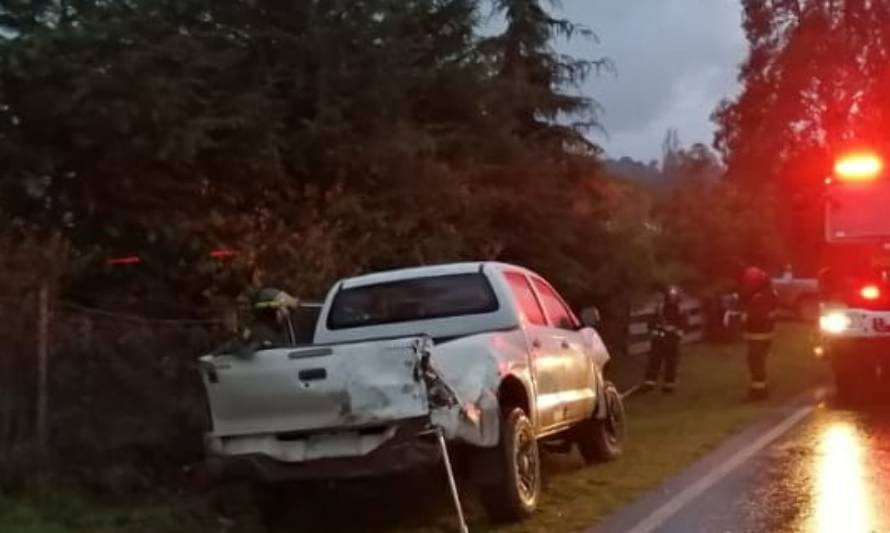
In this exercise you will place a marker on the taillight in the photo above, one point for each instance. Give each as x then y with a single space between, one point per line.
870 292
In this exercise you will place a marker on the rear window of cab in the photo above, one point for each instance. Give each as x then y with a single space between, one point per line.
411 300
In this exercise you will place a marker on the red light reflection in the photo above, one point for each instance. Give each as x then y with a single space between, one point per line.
223 253
128 260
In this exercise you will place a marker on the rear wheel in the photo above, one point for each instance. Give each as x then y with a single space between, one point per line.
515 495
603 439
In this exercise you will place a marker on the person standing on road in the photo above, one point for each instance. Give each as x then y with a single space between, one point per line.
759 313
667 328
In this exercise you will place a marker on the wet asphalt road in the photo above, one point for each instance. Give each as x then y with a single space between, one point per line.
830 473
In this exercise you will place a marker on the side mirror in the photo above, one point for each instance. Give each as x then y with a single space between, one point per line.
590 317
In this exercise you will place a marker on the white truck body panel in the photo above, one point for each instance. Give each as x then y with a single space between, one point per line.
276 390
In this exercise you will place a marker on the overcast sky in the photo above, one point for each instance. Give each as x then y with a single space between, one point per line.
675 59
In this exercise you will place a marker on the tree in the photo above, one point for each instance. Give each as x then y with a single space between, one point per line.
633 170
709 231
138 127
815 82
535 77
670 147
697 165
694 227
318 139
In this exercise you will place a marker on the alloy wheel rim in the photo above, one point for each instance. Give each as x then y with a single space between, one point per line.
613 419
526 461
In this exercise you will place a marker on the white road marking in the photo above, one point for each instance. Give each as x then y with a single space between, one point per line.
690 493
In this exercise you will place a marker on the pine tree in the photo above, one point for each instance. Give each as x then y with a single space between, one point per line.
543 85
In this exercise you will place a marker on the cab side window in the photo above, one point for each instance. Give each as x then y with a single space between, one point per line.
525 297
559 314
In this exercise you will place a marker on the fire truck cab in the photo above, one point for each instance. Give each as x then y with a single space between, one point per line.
854 282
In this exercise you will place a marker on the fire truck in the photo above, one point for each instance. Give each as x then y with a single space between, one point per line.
854 281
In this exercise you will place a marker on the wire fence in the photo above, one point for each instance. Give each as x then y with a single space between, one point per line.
89 391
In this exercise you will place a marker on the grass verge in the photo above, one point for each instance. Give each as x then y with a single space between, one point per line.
666 433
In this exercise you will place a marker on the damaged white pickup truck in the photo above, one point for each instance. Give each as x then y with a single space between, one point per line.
484 356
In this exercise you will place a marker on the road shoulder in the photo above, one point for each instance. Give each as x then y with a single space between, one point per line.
657 506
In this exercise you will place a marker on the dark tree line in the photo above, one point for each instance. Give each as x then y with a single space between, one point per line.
318 139
325 138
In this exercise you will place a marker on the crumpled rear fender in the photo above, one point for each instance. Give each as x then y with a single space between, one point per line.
474 368
600 356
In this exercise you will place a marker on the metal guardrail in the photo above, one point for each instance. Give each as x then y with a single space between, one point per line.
638 341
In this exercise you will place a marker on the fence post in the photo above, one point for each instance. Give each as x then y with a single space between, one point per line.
42 368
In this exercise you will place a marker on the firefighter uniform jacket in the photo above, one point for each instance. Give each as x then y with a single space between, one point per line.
760 310
669 322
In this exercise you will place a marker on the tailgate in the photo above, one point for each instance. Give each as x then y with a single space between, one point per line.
314 388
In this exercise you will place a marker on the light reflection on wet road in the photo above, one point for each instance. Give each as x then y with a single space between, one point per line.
830 475
842 492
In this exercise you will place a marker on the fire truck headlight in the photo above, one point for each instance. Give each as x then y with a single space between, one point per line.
835 322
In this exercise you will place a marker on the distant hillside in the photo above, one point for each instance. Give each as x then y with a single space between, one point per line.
633 170
697 163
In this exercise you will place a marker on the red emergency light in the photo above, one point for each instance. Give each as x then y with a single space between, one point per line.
870 292
862 166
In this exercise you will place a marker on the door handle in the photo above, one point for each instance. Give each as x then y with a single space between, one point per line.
536 344
312 374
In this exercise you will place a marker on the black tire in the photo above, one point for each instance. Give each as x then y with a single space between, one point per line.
515 496
603 440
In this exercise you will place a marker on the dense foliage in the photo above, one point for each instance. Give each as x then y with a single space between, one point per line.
316 138
814 85
707 229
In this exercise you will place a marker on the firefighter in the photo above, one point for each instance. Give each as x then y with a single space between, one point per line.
666 327
759 315
271 326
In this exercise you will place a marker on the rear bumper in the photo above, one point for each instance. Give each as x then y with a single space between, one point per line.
842 348
411 448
